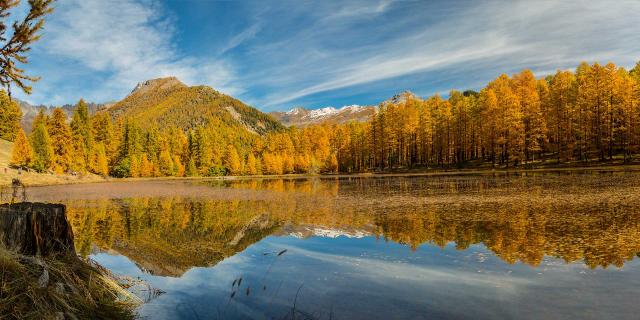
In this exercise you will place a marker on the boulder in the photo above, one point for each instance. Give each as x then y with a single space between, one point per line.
36 229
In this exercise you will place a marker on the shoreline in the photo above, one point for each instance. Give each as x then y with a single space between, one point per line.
65 180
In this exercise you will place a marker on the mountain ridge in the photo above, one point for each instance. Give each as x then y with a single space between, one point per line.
302 117
169 102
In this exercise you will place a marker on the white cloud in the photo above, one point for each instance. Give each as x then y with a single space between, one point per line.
490 37
242 37
131 41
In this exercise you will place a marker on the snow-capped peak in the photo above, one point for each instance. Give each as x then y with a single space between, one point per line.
317 113
295 111
352 108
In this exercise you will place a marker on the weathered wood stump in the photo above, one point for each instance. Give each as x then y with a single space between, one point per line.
35 228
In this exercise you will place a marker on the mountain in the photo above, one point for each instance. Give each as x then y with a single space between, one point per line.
167 102
30 111
401 97
301 117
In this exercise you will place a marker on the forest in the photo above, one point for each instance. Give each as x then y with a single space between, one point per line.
591 114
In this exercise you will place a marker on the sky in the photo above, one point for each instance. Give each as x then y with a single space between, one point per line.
278 54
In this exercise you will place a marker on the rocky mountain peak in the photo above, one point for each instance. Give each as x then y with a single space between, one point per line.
158 83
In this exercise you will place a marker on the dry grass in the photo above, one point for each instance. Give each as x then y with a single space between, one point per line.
73 290
5 153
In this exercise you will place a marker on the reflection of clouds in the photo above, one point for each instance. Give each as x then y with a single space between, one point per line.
383 271
441 283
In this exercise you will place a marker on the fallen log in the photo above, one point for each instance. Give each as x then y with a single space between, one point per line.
36 229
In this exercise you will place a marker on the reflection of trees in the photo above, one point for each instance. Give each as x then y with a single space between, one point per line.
171 234
600 236
167 236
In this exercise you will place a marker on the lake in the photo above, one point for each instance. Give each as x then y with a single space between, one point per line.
552 245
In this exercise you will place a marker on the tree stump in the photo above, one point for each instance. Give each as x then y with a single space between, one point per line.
36 229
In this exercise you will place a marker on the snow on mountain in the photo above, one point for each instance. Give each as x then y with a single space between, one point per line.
322 112
300 116
302 232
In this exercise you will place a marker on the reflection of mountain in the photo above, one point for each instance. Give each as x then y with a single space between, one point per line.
167 237
304 231
521 219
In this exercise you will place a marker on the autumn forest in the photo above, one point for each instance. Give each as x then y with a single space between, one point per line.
591 114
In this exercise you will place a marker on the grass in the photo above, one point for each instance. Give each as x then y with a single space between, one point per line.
73 289
5 153
33 178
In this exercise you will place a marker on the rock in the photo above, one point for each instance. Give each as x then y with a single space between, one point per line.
59 288
43 281
36 229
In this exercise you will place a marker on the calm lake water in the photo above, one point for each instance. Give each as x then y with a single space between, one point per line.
534 246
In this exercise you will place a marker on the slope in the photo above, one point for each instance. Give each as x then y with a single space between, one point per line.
167 102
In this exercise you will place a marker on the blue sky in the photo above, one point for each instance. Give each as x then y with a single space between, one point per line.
276 55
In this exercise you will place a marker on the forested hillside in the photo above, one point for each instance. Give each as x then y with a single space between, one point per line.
167 102
164 128
592 114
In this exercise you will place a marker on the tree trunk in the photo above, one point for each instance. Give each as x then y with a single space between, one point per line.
35 229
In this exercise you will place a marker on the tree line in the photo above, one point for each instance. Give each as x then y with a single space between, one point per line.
592 114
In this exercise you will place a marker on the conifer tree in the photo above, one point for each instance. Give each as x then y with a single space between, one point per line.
82 136
191 170
21 153
41 146
178 167
10 115
103 131
60 135
100 163
18 42
252 165
165 163
146 168
232 161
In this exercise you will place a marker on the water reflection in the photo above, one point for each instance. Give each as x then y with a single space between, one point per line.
168 235
416 245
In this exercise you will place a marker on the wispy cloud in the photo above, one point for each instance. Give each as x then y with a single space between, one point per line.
490 37
283 53
241 37
128 41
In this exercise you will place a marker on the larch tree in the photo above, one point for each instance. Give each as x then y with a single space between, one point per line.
561 124
100 161
10 116
21 153
16 43
252 165
41 146
232 161
525 87
82 136
60 134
